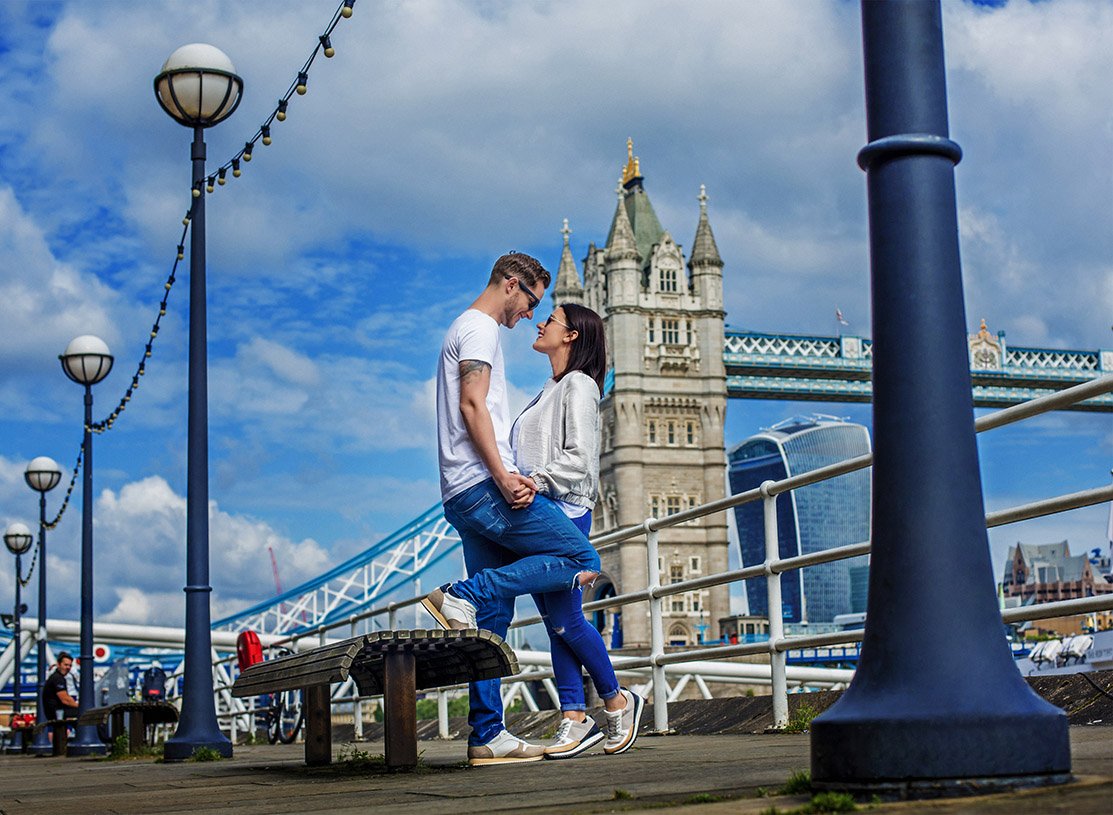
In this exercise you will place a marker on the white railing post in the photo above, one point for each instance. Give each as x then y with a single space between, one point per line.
777 659
656 634
442 714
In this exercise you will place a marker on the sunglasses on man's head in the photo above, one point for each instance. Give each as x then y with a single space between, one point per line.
533 298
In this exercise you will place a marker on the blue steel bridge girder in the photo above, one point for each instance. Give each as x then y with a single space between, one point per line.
839 369
359 584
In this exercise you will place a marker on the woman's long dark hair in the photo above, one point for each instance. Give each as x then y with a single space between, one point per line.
589 349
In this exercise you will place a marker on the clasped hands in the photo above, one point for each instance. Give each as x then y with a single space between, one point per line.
517 489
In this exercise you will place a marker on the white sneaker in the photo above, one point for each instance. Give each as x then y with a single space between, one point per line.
622 725
505 749
573 738
453 613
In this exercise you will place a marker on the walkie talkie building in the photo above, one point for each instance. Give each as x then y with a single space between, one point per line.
820 516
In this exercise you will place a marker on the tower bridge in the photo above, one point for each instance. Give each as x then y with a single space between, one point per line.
674 365
838 369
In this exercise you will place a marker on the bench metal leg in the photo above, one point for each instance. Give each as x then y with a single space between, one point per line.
318 726
115 725
400 708
137 731
61 739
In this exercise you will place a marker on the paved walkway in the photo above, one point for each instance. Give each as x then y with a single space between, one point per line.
659 771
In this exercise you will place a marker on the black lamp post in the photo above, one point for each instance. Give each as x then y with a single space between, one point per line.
18 539
42 475
86 361
199 88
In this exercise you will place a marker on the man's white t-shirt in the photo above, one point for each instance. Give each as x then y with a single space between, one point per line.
474 335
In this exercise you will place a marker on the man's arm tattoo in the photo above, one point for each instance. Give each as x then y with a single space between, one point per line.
470 368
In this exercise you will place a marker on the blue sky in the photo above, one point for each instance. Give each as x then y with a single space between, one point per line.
441 135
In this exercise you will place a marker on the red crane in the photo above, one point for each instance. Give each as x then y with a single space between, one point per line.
278 583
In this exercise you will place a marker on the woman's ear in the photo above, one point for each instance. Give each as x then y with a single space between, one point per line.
571 335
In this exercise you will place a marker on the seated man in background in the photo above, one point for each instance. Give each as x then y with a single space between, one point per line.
57 701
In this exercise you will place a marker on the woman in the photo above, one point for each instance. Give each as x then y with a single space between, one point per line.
556 442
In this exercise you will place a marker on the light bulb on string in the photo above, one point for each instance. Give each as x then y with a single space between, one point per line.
209 187
220 179
281 115
236 167
303 79
326 44
181 256
347 10
247 151
266 130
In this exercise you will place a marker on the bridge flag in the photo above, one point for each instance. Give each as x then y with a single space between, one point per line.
838 316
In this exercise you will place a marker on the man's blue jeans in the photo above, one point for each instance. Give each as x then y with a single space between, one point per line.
510 552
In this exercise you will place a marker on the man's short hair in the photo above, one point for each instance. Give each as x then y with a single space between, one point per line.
64 655
520 265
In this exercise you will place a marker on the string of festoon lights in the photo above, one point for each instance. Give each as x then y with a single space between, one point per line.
219 178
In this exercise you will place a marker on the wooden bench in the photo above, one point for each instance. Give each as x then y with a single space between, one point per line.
140 714
60 735
395 664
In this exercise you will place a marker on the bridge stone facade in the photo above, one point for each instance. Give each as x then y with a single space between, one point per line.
662 419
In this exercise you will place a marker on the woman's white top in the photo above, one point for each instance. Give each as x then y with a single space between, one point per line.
556 442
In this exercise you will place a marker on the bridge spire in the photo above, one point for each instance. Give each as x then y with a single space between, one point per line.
567 288
704 250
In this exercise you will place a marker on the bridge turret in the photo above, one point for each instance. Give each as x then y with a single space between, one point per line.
567 288
705 268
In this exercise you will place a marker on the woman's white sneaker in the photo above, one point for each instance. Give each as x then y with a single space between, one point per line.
622 725
573 738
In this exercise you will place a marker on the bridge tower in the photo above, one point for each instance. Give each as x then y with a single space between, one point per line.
662 419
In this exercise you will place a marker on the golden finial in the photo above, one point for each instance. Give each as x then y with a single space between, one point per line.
983 332
631 170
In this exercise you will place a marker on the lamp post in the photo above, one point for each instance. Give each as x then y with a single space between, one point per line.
18 539
199 88
937 703
42 475
86 361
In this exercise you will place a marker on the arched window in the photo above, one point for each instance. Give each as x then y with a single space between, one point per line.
678 635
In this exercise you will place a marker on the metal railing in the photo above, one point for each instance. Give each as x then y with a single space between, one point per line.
704 662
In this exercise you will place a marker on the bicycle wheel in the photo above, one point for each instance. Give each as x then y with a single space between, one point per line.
273 717
290 715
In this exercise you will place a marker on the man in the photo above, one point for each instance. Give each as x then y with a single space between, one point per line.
56 696
509 550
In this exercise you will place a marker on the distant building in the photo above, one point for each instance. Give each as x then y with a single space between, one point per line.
813 518
1048 572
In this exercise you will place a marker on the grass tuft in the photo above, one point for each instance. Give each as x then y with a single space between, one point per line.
799 783
205 754
800 719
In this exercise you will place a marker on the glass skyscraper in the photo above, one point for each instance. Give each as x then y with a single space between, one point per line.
819 516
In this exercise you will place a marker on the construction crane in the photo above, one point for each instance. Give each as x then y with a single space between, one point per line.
278 584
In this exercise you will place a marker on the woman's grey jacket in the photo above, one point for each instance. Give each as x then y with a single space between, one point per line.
556 440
